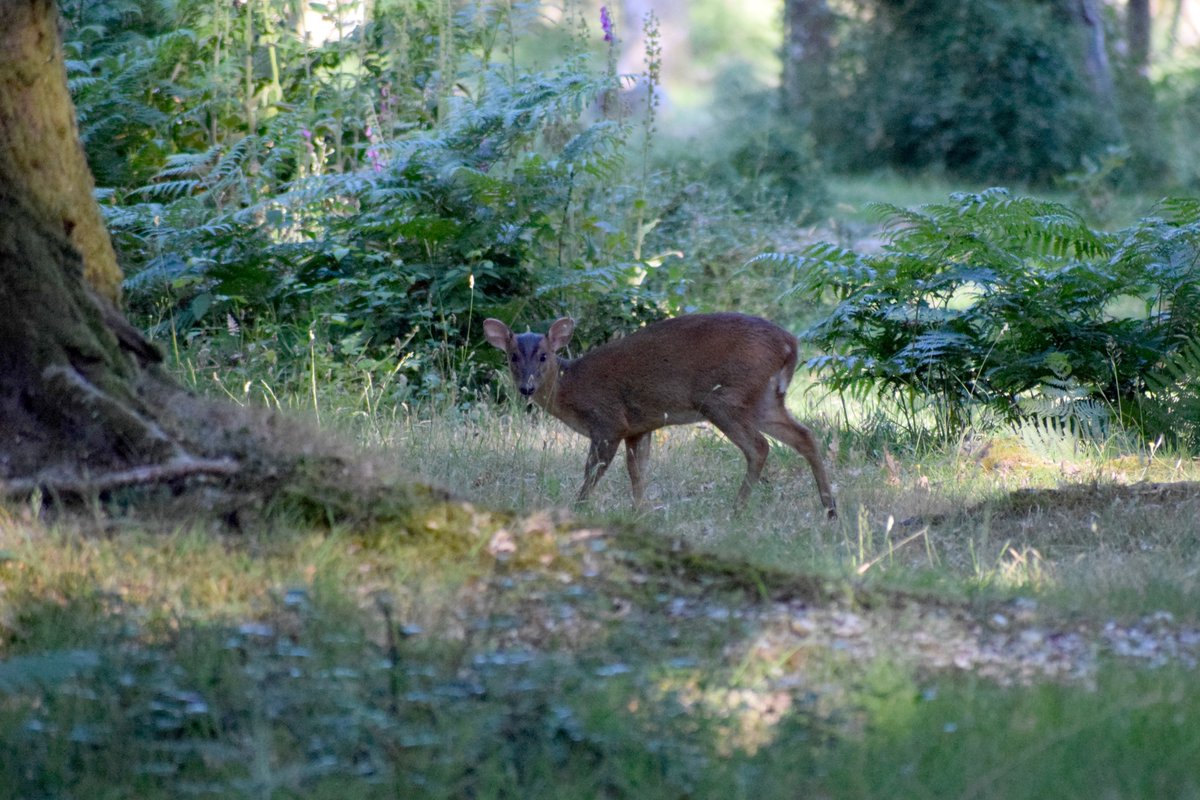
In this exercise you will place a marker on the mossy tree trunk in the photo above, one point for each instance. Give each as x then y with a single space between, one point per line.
85 407
41 158
77 382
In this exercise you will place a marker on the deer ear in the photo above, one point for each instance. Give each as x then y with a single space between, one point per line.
560 333
497 333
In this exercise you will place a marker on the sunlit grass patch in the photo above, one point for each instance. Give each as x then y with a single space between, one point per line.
991 513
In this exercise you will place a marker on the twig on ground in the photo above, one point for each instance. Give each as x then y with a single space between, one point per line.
79 485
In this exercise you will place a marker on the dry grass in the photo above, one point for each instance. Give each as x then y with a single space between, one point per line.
1097 530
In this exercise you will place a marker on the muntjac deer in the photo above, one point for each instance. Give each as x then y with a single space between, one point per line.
730 369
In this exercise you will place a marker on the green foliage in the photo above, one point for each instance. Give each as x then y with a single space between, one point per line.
990 300
471 214
1172 409
44 670
391 186
1177 104
763 160
982 90
120 62
971 739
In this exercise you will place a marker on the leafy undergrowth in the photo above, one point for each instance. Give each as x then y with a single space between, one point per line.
471 653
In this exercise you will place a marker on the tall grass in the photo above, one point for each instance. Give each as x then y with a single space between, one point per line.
965 517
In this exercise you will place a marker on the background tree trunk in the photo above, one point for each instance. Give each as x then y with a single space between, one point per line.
1097 66
41 158
807 54
1146 141
1137 30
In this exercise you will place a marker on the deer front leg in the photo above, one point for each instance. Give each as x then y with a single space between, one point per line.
600 455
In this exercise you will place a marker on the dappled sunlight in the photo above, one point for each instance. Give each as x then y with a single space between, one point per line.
592 631
998 513
1021 569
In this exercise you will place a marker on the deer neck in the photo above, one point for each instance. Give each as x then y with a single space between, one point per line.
547 395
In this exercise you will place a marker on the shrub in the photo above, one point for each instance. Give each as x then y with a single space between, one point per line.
392 185
759 158
982 90
991 301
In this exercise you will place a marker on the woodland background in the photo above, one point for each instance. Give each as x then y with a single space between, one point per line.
314 206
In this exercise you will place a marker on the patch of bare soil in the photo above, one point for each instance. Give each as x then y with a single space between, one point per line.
1011 646
788 624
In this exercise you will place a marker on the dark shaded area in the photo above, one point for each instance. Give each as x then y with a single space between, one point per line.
996 92
89 414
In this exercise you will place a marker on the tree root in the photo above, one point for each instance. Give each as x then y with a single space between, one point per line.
72 397
61 482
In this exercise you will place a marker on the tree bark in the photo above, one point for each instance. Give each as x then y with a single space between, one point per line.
1137 30
41 157
85 408
1097 66
77 382
807 53
76 399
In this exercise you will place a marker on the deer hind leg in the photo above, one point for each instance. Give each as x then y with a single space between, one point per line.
777 422
637 454
740 430
600 455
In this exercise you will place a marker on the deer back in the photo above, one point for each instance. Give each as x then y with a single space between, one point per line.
668 372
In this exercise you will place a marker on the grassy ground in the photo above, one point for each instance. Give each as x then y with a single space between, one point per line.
965 518
987 623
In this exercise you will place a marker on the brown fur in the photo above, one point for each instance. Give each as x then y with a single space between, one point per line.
730 369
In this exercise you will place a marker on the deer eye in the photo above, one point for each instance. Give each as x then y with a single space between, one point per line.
543 357
514 358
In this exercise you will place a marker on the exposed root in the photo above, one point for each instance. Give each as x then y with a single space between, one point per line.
74 397
61 482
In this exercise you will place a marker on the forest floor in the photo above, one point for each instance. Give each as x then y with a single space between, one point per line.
1008 616
1008 639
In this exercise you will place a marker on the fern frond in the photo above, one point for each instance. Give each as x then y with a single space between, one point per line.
1172 407
168 190
1180 368
231 161
80 83
189 164
1056 432
1181 211
158 272
603 277
596 150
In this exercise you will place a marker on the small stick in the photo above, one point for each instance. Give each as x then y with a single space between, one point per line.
179 467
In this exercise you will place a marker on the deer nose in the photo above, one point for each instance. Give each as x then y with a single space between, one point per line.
527 391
